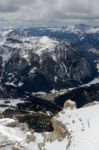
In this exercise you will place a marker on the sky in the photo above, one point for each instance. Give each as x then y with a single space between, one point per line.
49 11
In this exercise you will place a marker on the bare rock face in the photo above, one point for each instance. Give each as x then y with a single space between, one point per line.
69 105
60 131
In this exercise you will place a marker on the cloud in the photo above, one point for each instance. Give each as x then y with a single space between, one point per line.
48 10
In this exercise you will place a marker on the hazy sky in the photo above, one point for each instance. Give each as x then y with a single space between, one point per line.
25 11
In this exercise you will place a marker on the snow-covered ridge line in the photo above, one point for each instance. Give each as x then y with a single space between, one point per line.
37 44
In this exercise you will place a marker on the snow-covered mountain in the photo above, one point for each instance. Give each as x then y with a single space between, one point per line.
42 63
81 36
45 73
48 58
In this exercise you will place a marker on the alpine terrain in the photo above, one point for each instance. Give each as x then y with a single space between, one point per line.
49 88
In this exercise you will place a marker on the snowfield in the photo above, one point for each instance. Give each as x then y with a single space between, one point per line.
74 129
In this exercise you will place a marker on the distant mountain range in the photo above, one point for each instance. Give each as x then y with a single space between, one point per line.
34 61
44 59
49 86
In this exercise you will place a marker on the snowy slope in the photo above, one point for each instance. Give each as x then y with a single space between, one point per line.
82 126
38 44
93 30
